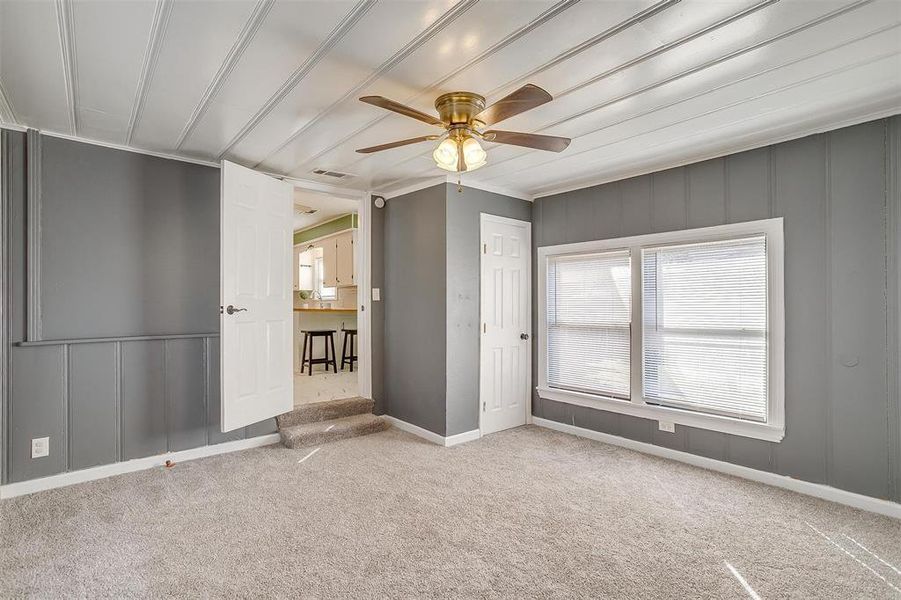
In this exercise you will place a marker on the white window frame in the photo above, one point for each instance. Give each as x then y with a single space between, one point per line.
773 429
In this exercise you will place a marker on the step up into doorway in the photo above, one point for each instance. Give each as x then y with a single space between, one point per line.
323 422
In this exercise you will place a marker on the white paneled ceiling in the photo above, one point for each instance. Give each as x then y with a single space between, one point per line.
326 207
639 85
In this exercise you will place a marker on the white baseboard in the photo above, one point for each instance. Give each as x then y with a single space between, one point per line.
460 438
431 436
817 490
129 466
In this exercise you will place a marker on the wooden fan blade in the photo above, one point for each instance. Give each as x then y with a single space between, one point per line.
389 145
525 98
528 140
401 109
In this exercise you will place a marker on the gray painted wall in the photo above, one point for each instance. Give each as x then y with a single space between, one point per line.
839 195
463 294
413 299
429 240
132 249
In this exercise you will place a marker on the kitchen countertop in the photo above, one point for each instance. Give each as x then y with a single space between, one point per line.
324 310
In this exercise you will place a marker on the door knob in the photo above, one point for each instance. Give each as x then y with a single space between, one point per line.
523 336
233 309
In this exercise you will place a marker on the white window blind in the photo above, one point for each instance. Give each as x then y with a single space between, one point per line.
704 324
588 323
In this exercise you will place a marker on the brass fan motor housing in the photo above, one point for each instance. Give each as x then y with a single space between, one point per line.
459 108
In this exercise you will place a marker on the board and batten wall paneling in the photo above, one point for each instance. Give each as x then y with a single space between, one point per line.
123 398
185 399
839 195
93 405
38 378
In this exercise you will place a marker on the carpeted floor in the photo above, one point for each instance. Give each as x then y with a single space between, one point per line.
524 513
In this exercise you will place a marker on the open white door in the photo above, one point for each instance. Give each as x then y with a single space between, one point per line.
506 305
256 294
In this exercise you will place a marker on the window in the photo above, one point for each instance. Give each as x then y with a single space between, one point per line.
325 293
704 327
684 326
588 313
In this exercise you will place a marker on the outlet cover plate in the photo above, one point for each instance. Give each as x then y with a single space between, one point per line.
40 447
667 426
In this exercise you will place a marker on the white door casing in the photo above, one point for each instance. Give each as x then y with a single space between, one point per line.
256 280
506 308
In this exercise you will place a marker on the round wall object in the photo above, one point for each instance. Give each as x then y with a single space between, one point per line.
379 202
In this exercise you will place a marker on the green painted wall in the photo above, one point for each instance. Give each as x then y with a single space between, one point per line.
340 224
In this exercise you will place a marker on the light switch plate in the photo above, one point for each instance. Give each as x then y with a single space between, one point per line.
667 426
40 447
376 294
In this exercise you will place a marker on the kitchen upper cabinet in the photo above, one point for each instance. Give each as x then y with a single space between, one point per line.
304 269
329 263
345 258
337 259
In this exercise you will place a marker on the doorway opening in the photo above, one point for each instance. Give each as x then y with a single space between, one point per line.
326 265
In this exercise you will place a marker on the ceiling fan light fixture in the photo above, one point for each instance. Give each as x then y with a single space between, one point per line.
473 154
446 154
463 115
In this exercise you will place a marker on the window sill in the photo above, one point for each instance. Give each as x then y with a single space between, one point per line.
760 431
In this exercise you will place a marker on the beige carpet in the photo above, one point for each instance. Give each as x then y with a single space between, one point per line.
523 513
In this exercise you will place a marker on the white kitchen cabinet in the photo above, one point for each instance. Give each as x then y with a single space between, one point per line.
337 259
303 267
345 258
329 262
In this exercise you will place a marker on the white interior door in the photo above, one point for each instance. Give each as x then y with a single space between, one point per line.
256 295
506 352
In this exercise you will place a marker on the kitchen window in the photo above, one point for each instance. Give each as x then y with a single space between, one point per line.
325 292
684 326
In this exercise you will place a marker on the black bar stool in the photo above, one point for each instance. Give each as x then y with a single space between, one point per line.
328 336
349 357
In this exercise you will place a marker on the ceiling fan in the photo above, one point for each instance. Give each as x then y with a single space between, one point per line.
463 115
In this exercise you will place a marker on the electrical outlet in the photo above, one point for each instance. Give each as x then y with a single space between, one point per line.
40 447
376 294
667 426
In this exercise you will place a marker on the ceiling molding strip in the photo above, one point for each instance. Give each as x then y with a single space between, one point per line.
114 146
346 24
7 112
537 22
161 13
65 24
398 57
562 57
711 63
257 17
